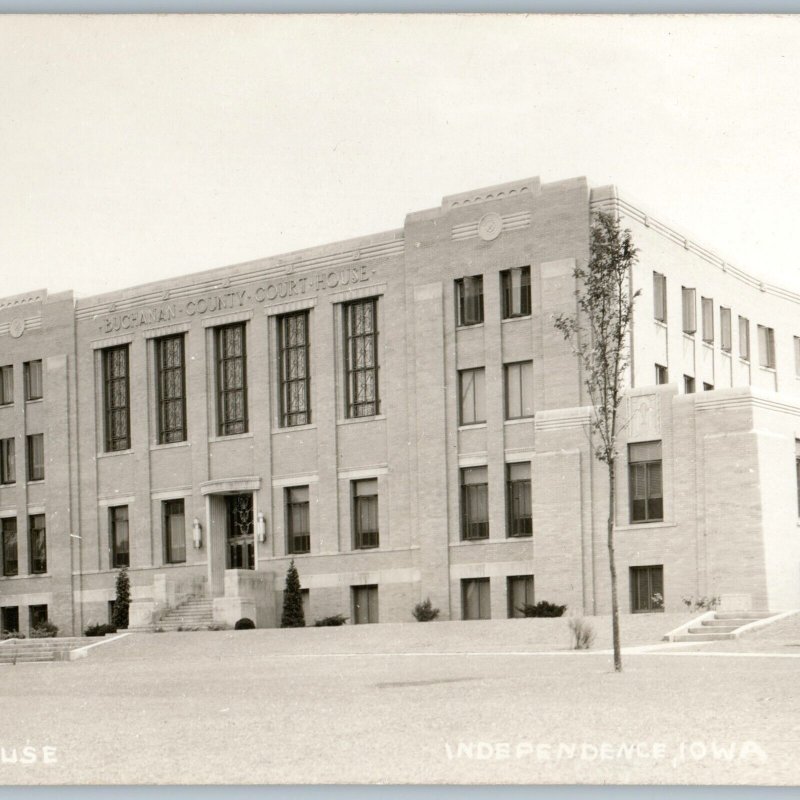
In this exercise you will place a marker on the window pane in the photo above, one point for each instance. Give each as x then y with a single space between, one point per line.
115 369
6 385
231 380
725 328
8 470
659 297
361 353
36 457
708 319
293 369
744 338
9 531
171 389
689 324
37 543
33 380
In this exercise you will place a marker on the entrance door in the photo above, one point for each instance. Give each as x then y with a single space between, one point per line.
239 516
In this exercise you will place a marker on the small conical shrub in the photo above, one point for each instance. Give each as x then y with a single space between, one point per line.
122 600
293 616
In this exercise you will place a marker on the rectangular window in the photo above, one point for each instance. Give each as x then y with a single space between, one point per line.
766 347
361 357
644 482
293 369
708 387
707 305
520 594
171 386
469 300
662 375
36 457
174 532
365 514
365 604
9 619
118 535
659 297
474 503
689 311
117 398
688 384
8 527
519 390
744 338
797 356
725 329
297 523
231 380
797 470
516 285
38 616
472 396
647 588
37 544
8 461
475 599
6 385
518 500
33 380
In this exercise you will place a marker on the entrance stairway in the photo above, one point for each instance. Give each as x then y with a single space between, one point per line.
15 651
197 613
723 625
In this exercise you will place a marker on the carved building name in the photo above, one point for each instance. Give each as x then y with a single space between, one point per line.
283 289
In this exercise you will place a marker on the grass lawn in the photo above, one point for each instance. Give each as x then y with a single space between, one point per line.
439 703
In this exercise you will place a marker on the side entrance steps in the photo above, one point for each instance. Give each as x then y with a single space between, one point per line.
715 626
197 613
15 651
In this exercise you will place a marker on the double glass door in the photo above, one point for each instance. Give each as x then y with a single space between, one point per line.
239 523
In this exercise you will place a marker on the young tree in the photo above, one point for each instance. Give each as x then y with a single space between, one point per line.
293 616
122 600
599 335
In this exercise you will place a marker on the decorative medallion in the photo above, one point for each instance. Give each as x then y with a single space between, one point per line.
489 226
17 327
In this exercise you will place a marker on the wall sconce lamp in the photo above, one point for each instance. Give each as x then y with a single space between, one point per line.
197 533
261 527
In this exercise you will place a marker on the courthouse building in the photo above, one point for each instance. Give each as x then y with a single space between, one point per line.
398 414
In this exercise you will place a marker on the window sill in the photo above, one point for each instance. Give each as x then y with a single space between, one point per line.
228 438
771 370
472 426
469 327
36 482
7 485
518 420
689 336
745 361
709 345
26 577
643 526
467 542
520 318
170 445
725 352
112 453
34 400
660 323
312 426
353 420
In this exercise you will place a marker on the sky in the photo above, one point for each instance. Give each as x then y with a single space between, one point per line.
136 148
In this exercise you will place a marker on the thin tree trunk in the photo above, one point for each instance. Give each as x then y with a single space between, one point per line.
612 479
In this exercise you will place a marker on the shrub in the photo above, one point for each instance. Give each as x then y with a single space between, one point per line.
330 622
582 633
424 611
293 616
217 626
45 630
542 609
122 600
244 624
701 603
100 629
11 635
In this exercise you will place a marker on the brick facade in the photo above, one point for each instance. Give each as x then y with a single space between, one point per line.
730 513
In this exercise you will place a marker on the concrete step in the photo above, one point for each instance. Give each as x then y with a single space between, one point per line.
724 623
714 629
703 637
746 615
